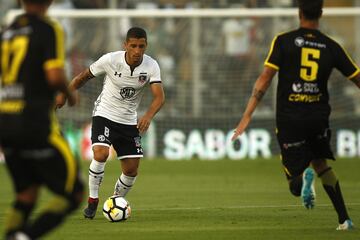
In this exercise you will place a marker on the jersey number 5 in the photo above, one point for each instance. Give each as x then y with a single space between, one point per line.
13 54
309 67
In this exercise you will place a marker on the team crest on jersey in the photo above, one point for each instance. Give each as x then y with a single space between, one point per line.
142 77
299 41
127 92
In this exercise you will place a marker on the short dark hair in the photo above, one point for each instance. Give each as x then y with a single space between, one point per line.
312 9
136 32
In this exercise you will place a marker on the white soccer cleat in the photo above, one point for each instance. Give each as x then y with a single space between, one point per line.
308 189
347 225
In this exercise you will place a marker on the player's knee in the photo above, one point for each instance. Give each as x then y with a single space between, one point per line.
319 165
101 153
130 172
130 167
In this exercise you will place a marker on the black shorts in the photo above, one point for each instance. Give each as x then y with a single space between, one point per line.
51 164
124 138
301 142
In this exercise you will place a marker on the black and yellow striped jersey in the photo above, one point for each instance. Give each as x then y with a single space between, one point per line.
305 59
28 47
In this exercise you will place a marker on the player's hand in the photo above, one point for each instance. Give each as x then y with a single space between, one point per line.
241 127
144 124
60 100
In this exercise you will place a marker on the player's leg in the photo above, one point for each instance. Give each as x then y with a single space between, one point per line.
100 137
60 172
295 155
127 143
322 150
332 187
54 166
127 178
96 175
17 217
302 185
26 192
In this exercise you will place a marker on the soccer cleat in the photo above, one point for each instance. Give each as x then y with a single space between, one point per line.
347 225
90 211
308 190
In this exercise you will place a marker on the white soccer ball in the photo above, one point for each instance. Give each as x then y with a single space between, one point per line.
116 209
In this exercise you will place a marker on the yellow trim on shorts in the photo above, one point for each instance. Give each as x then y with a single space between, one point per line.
287 171
60 143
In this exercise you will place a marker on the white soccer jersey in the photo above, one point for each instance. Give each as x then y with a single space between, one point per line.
123 89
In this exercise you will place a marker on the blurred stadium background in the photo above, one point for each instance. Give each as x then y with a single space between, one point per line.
210 53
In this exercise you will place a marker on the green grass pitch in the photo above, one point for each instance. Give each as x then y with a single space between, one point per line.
185 200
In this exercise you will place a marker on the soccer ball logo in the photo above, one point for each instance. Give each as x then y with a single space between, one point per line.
116 209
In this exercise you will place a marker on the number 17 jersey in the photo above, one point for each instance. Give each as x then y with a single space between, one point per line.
305 59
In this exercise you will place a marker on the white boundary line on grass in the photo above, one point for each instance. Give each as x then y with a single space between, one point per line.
236 207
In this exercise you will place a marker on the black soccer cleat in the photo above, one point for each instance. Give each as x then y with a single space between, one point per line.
90 211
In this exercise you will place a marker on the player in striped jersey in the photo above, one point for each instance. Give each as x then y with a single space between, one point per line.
115 121
304 59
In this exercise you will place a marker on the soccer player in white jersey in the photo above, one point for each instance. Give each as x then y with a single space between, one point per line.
115 121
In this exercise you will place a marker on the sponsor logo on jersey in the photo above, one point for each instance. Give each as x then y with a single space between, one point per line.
296 87
294 144
117 74
101 138
305 98
299 41
315 44
305 87
127 92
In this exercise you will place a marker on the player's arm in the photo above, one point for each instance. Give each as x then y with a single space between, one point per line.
259 90
81 79
75 84
54 59
157 102
56 78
